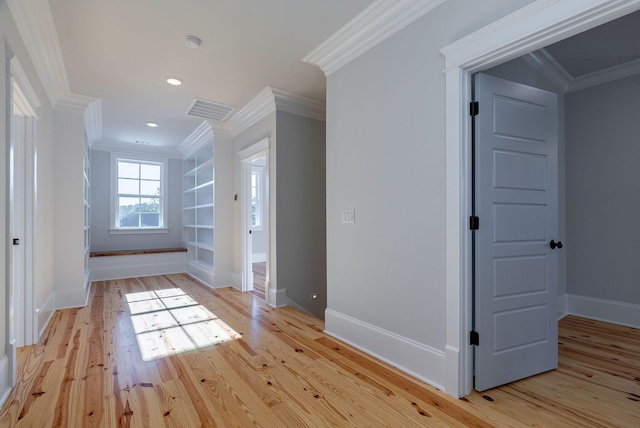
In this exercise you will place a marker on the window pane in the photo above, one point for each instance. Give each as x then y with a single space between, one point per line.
149 205
128 186
150 220
129 220
148 187
128 170
150 172
128 205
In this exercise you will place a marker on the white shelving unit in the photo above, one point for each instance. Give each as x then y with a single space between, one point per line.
87 210
198 212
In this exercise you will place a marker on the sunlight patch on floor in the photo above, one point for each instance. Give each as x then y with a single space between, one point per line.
168 322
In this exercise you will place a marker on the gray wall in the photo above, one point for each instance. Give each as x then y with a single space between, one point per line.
518 70
101 240
301 221
386 159
602 191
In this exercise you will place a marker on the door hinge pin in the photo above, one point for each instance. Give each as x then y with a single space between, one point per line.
474 222
474 338
474 108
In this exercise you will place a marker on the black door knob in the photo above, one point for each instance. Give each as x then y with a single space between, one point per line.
553 244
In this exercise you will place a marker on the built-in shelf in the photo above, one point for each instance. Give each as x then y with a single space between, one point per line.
87 209
198 212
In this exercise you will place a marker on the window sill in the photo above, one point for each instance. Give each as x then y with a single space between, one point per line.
137 231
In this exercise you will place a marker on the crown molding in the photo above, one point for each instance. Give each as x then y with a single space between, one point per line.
298 104
202 135
379 21
20 76
35 25
74 102
257 109
542 61
136 149
547 65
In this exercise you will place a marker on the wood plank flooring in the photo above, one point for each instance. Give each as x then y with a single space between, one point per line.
259 278
252 365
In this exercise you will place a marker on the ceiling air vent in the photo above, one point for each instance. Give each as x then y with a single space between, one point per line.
209 110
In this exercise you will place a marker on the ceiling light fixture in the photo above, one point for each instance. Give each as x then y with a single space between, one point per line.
193 42
152 124
174 81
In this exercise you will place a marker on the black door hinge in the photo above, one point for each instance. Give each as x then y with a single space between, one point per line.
474 108
474 222
474 338
16 241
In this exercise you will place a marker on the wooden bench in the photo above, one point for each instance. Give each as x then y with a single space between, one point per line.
133 252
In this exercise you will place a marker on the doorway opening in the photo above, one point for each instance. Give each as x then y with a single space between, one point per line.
533 27
255 219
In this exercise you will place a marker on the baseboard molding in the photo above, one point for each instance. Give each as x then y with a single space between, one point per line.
416 359
563 306
42 315
5 380
201 274
604 310
277 297
137 265
66 299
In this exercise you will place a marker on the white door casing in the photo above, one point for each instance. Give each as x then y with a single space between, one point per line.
516 198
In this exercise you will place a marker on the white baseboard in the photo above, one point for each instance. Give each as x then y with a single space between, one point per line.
416 359
563 306
42 315
258 257
201 274
137 265
277 297
5 380
626 314
66 299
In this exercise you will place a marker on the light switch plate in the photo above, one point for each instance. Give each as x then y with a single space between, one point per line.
349 216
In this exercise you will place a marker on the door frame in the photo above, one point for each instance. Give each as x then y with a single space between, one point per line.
255 151
534 26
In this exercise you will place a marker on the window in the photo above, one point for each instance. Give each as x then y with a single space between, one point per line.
257 196
138 195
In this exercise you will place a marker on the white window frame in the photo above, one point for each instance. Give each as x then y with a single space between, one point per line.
259 171
164 194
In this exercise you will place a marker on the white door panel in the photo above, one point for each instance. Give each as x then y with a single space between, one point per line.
516 271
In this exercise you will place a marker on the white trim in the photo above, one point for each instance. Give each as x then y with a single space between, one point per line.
42 316
546 64
206 276
276 297
255 149
136 149
202 135
5 380
563 306
66 299
627 314
18 73
257 109
74 102
420 361
376 23
138 231
532 27
37 30
299 105
137 265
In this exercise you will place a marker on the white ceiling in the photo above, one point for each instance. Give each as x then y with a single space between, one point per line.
121 51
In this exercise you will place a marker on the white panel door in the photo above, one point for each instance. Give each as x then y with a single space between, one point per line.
516 200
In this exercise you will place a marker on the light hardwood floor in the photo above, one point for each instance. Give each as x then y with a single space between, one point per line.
275 368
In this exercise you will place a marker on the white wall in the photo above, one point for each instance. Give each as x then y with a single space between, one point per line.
602 187
518 70
258 245
224 204
101 240
386 160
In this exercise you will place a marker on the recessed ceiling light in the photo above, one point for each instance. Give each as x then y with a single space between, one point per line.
193 42
174 81
152 124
